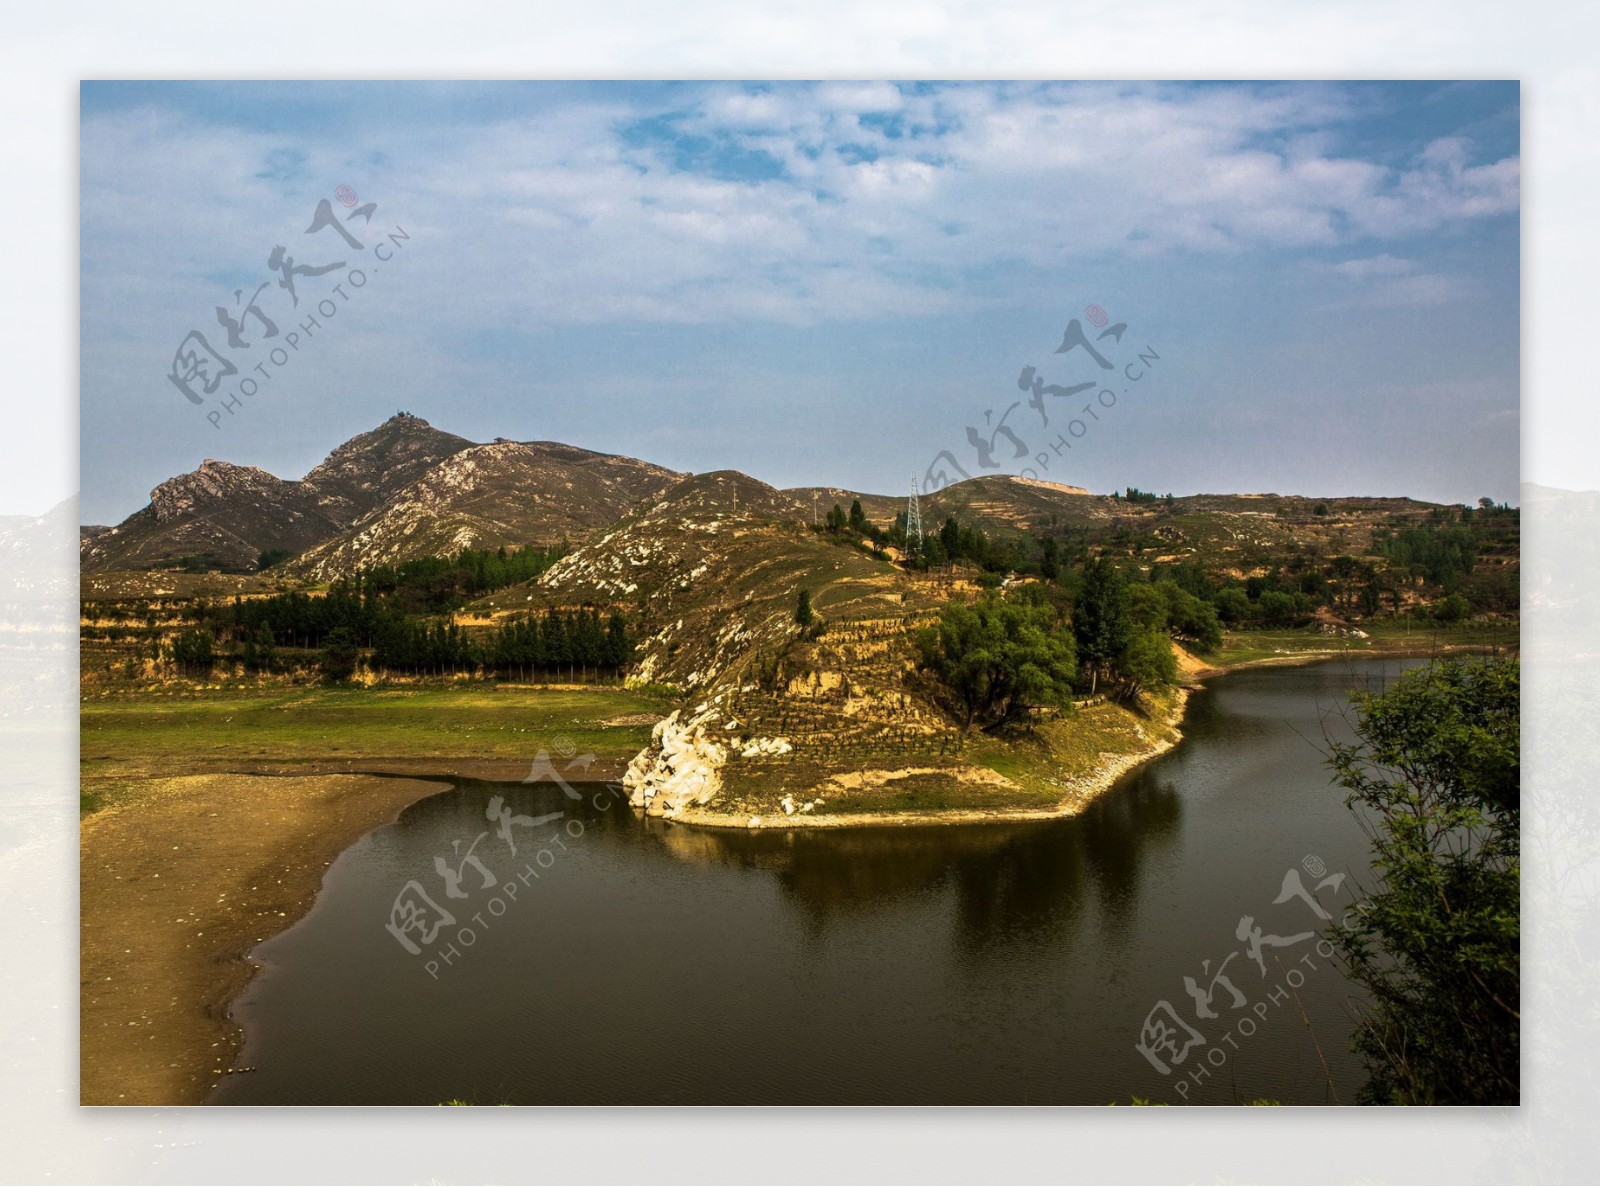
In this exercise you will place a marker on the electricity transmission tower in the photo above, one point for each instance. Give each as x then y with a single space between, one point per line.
913 520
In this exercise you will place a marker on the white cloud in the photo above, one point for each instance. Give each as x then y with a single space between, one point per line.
1380 265
887 200
1387 281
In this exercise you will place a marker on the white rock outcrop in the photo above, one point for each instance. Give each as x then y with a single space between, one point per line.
680 768
757 747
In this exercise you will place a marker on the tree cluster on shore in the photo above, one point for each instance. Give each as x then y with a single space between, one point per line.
1428 571
1038 646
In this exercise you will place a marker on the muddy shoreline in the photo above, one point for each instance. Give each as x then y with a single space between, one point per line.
177 887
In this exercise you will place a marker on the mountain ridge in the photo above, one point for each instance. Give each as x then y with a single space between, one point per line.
403 480
405 490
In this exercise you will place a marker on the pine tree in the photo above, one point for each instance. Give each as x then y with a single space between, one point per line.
1100 619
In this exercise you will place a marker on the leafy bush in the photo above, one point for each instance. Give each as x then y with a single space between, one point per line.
192 651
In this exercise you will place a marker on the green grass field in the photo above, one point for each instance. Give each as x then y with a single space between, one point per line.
164 733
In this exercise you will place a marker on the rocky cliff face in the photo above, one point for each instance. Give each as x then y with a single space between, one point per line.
713 564
407 489
507 493
214 484
224 513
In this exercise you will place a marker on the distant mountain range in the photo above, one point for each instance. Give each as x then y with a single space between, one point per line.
407 489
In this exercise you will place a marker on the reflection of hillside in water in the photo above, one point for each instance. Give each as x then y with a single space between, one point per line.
1008 878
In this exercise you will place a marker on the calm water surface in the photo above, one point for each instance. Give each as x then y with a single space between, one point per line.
657 964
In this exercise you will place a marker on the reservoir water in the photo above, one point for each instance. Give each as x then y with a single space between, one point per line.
639 962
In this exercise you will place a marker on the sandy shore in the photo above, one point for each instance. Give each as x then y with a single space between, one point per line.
177 885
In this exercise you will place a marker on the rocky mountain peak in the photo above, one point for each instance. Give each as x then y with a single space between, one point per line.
372 466
212 482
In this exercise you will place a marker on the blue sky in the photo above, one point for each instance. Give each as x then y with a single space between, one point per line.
820 283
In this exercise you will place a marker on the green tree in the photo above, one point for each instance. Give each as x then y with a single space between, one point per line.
1191 618
1147 608
1147 663
1452 609
836 519
271 557
858 517
1370 597
1278 608
950 537
192 652
1434 777
618 650
1233 605
1000 658
340 650
1050 558
1100 619
802 609
260 651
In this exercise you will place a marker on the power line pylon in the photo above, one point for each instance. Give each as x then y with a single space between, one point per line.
914 520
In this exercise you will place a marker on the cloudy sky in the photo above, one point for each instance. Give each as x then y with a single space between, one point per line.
832 283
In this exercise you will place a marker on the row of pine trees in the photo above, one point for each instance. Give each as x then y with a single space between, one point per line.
576 640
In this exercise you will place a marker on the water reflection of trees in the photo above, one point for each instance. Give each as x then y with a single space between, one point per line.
1009 880
1041 880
